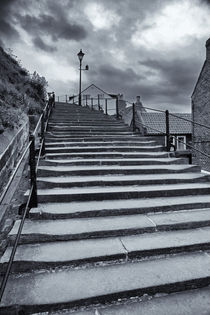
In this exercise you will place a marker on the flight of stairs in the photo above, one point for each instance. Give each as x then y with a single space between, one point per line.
117 218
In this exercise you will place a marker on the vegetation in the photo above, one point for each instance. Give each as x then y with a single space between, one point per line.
21 94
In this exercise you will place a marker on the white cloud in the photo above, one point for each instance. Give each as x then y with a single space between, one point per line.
177 24
100 17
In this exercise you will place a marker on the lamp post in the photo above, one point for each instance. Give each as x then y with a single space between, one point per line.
80 56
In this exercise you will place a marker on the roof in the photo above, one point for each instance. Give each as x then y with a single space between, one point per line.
93 85
156 123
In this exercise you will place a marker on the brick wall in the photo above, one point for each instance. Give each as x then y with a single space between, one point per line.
201 113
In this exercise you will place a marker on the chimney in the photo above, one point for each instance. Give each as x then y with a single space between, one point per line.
208 50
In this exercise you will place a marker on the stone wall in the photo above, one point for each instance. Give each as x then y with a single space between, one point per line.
10 157
201 113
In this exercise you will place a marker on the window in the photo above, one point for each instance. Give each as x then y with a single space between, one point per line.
181 143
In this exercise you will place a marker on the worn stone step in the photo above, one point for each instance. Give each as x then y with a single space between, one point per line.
105 155
65 253
107 169
103 149
101 227
80 129
116 180
119 207
104 138
113 161
49 291
90 126
100 143
67 123
81 133
120 192
188 302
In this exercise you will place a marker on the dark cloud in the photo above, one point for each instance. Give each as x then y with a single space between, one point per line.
38 42
48 25
178 73
7 29
118 75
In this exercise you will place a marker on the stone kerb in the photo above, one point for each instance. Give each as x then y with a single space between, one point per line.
9 158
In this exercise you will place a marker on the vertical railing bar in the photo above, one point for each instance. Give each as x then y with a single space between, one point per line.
167 131
134 117
32 164
98 102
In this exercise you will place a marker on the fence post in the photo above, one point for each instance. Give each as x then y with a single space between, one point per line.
117 108
66 98
91 103
167 131
106 112
32 164
86 99
134 118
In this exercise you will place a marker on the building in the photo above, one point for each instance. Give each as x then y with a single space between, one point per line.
201 113
95 97
180 127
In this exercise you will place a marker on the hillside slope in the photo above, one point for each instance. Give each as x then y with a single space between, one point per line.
20 94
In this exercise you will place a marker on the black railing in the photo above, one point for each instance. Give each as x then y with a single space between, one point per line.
32 198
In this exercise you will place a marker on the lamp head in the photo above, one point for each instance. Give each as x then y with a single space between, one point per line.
80 55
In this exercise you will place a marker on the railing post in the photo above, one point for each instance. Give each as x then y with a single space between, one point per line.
98 102
106 112
66 99
134 117
117 108
91 103
86 99
32 164
43 121
167 131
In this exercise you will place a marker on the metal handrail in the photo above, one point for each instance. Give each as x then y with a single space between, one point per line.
31 192
11 259
13 174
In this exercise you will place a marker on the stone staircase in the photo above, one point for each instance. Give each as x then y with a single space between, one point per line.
117 218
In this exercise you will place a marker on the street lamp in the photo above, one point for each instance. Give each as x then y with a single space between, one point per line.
80 56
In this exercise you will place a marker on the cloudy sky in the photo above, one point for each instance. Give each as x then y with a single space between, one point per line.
152 48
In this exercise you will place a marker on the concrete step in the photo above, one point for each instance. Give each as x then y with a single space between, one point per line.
104 149
101 227
56 254
120 192
113 161
116 180
65 288
82 209
108 169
